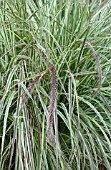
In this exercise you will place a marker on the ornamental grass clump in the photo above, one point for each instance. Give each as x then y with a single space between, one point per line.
58 121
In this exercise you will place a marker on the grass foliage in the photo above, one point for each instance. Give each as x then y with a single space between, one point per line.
56 118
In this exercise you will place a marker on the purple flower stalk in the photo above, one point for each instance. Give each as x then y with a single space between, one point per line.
97 62
98 65
30 90
52 107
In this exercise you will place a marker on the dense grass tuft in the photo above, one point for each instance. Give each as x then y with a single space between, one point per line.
55 85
